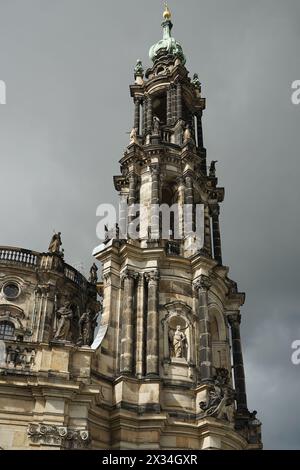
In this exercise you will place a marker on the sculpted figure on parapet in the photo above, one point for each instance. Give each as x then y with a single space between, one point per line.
64 316
87 324
93 274
55 244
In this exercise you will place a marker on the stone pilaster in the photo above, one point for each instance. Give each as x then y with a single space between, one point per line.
202 285
140 327
189 201
152 364
179 100
169 106
131 196
149 115
126 347
234 319
137 107
215 212
173 103
154 201
199 130
207 230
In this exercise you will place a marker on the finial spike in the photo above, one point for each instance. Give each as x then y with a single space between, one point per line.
167 13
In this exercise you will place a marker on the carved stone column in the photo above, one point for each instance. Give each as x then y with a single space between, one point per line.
215 212
137 104
126 347
179 100
152 366
202 285
155 232
234 319
140 327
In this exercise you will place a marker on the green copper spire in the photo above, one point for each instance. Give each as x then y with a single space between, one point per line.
167 45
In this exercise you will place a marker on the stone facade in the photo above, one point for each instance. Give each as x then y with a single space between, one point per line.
165 370
45 386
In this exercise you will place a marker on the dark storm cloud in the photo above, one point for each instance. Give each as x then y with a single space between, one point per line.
67 65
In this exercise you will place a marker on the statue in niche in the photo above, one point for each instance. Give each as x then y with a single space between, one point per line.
87 324
156 125
64 316
178 342
55 243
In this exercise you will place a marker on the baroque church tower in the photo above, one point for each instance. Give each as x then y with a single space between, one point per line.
169 354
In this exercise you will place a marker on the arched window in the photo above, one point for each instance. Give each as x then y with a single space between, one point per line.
7 330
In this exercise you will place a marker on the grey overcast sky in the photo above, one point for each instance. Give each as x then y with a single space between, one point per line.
67 65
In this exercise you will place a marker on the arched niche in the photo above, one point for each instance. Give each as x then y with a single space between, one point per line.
178 314
219 338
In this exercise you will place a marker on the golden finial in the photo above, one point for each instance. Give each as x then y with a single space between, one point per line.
167 13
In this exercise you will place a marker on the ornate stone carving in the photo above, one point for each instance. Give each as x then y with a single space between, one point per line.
202 282
64 316
128 273
234 318
138 69
152 276
52 435
19 357
212 168
93 274
220 396
196 82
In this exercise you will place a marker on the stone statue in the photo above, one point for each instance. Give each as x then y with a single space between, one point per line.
220 396
178 342
133 136
87 324
93 274
212 168
64 316
187 134
156 125
196 82
55 243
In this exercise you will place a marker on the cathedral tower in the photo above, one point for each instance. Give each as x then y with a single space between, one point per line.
169 357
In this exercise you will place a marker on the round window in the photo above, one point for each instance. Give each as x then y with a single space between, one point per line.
11 291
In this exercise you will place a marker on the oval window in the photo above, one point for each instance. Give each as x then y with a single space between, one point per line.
11 290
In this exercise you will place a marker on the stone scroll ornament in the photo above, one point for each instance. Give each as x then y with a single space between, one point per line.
52 435
220 396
